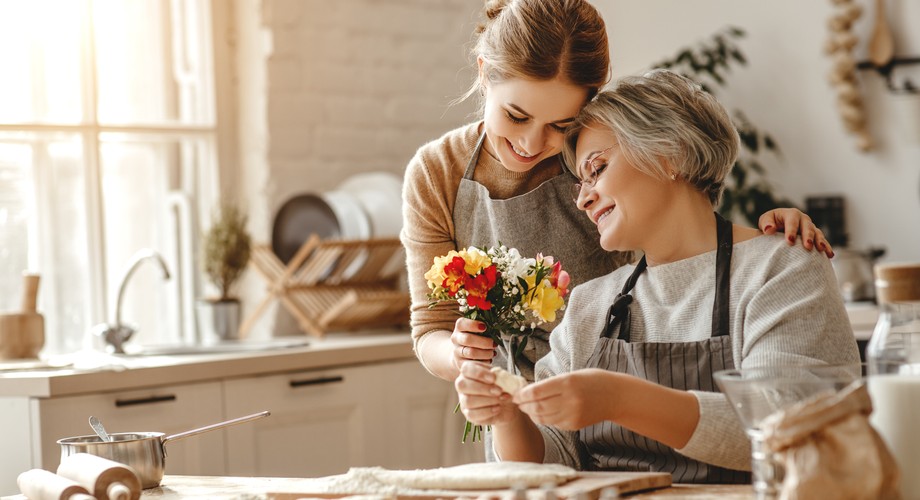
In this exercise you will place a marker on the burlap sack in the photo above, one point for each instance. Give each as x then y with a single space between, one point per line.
830 450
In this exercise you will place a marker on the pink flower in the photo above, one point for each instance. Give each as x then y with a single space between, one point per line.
560 279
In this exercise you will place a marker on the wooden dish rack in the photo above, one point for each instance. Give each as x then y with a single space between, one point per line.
335 284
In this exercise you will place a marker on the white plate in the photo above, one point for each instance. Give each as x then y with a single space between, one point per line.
380 194
354 225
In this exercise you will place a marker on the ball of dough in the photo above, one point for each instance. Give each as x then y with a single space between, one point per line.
508 381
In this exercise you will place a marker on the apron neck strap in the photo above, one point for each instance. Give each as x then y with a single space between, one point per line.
474 158
618 314
720 305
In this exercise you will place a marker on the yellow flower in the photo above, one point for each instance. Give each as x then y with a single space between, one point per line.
436 274
544 301
476 260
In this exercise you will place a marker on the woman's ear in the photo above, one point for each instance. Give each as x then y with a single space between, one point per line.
481 64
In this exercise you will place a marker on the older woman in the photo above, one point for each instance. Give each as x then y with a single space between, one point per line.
628 382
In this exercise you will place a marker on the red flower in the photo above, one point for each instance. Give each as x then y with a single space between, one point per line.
455 275
478 287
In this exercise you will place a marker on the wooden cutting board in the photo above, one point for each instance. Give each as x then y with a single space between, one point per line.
587 485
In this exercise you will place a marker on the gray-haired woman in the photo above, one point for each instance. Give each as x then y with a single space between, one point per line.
628 382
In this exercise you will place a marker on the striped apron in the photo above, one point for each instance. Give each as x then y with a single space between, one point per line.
679 365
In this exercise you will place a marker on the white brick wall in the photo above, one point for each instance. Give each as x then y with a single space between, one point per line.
359 85
331 88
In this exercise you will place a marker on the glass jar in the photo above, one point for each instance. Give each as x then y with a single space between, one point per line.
893 358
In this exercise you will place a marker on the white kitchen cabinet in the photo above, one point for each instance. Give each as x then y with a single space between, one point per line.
169 409
325 421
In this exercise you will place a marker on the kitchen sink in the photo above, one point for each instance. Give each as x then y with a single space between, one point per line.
223 347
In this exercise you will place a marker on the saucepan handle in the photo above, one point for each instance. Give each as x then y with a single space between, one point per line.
218 425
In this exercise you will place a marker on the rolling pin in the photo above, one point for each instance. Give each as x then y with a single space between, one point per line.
105 479
22 334
39 484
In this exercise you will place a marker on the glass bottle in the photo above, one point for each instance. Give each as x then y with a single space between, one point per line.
893 358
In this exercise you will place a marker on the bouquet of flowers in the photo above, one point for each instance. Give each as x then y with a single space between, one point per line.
511 294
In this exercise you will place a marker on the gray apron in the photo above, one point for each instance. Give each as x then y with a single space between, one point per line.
544 220
679 365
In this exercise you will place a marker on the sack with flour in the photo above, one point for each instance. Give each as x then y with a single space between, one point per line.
830 450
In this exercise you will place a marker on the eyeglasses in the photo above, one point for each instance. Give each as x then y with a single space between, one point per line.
594 166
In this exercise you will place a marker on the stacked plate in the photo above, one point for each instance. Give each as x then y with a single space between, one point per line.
364 206
380 195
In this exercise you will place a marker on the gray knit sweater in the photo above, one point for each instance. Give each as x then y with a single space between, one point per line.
785 308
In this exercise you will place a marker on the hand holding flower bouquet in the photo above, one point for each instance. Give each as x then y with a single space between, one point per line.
511 294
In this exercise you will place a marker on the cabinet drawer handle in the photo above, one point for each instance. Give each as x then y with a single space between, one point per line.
316 381
144 401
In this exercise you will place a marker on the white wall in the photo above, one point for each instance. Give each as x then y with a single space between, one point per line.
328 89
784 91
332 88
359 85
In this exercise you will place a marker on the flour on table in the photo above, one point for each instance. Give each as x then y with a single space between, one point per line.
508 381
479 476
380 483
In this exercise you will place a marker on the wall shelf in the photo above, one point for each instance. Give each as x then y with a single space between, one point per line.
887 72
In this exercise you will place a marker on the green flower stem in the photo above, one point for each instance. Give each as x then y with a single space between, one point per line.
476 430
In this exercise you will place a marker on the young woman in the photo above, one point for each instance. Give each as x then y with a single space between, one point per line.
628 382
500 178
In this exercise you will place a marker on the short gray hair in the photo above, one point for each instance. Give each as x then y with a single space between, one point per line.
662 120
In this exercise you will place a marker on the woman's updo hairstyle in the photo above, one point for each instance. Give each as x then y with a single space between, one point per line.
541 40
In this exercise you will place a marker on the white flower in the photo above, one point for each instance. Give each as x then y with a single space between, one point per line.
517 266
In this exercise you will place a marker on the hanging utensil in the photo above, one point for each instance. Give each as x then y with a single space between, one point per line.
881 45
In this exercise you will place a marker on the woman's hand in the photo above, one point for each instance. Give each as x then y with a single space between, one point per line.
794 222
569 401
469 344
481 401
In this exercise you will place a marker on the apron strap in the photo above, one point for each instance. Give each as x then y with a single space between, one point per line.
474 158
618 314
720 304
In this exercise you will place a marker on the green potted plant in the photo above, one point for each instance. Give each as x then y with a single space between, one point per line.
747 192
226 251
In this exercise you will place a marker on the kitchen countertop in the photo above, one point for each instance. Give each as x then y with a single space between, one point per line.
863 317
252 488
179 487
95 375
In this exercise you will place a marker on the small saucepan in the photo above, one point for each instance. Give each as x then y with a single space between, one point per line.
143 451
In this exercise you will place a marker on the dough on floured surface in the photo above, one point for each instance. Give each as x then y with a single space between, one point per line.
478 476
508 381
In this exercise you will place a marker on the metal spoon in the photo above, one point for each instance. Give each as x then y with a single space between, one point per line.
100 430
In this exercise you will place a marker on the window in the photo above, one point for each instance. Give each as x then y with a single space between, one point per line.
107 146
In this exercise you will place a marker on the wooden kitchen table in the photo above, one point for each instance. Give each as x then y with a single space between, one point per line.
216 487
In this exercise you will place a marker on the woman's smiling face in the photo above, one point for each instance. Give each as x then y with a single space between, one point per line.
524 120
623 202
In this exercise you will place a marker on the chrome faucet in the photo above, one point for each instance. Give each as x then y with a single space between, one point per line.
115 335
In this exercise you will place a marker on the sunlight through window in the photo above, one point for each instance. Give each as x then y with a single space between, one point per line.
106 122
